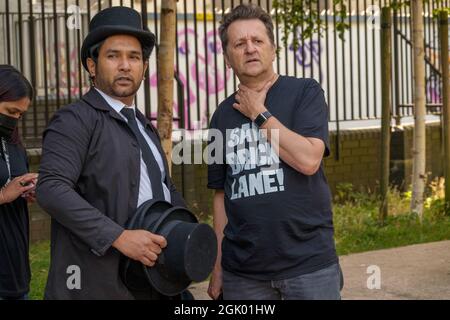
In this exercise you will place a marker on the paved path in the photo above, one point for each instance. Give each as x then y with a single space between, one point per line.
414 272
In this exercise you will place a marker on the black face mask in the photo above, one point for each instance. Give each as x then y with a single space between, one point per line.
7 125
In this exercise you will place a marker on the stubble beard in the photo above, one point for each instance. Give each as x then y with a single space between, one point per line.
110 88
123 93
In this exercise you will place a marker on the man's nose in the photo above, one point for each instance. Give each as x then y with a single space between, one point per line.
250 47
124 64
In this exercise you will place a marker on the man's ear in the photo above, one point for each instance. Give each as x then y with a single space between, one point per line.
91 67
145 68
274 53
227 62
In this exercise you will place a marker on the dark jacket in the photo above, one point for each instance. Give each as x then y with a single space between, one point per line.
89 184
14 229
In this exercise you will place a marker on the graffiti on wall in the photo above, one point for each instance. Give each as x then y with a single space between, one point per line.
308 54
65 75
202 79
210 83
433 87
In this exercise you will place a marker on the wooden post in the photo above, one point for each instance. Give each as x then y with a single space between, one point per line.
443 36
166 71
386 110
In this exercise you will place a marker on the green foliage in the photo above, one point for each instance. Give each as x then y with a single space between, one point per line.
437 12
357 226
397 5
294 14
365 234
340 11
440 4
345 193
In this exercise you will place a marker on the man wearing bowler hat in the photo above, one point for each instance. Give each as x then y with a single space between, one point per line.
101 159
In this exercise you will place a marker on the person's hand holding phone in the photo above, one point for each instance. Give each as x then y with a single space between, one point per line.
19 186
29 181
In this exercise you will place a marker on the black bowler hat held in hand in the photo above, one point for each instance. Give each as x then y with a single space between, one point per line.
189 256
113 21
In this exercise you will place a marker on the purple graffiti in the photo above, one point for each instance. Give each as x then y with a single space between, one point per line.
433 89
207 80
307 53
73 75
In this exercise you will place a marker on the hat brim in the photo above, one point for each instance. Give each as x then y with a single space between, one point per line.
157 275
159 217
146 38
197 256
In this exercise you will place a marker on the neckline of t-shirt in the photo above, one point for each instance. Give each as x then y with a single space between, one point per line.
275 84
272 89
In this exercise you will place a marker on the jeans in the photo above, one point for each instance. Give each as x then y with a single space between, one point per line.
324 284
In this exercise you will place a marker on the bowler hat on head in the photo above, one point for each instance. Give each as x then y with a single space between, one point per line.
113 21
189 256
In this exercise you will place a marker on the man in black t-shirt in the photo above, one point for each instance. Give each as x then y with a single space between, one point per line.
272 206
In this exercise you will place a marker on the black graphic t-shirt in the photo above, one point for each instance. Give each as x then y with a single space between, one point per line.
279 220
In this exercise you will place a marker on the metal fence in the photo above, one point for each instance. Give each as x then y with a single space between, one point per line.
43 39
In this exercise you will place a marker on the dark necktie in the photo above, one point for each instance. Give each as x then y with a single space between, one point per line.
154 171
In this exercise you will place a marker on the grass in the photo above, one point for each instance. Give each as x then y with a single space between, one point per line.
39 260
357 227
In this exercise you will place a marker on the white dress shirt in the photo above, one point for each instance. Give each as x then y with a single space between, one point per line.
145 185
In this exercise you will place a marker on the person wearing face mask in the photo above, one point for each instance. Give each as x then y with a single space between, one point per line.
17 186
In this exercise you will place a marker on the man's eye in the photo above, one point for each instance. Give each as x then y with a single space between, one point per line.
112 55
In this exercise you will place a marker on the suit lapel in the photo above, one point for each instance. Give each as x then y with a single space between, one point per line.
95 100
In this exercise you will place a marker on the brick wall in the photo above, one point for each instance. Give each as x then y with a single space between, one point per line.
358 163
359 157
435 151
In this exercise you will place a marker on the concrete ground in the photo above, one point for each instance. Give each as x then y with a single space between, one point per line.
414 272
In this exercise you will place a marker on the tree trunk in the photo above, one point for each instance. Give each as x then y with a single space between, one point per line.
419 175
443 35
166 76
386 110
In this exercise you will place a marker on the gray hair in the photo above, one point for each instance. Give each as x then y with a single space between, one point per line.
245 12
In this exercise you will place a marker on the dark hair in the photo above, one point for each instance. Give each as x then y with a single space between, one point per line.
93 54
14 86
245 12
